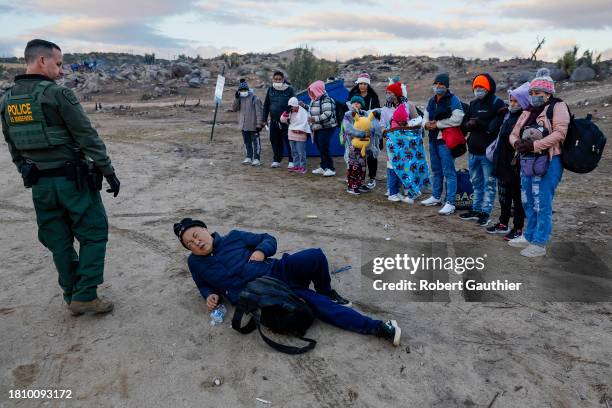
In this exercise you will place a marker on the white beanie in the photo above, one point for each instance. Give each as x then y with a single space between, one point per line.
293 102
363 78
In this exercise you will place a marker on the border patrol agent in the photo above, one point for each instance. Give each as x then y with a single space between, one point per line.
62 158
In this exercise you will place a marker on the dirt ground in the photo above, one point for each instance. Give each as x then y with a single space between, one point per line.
158 349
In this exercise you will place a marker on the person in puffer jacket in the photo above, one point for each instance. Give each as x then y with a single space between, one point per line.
485 116
538 191
277 97
322 111
223 265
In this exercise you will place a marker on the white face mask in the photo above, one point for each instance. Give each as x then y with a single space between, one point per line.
278 85
244 94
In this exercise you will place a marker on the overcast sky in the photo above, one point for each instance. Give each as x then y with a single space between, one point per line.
336 29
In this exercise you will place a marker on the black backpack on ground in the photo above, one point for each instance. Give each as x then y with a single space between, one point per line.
273 304
583 145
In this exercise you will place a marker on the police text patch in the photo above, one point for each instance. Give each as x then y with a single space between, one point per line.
20 112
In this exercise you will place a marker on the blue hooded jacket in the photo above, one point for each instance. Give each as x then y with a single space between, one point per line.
227 269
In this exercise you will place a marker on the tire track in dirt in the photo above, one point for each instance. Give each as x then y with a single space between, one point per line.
325 385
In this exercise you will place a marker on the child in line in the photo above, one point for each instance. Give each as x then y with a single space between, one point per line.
357 130
406 163
299 130
250 117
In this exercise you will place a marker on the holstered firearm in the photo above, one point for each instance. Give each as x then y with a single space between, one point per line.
29 174
94 176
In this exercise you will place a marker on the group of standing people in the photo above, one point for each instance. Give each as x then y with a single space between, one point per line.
500 139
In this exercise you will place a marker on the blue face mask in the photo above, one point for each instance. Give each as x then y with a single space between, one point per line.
480 93
536 101
439 91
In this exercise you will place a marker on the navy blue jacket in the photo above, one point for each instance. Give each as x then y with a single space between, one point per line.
489 114
227 269
276 103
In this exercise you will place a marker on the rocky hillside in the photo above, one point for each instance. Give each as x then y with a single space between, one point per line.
134 79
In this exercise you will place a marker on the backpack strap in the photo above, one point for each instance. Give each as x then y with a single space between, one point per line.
283 348
550 109
237 320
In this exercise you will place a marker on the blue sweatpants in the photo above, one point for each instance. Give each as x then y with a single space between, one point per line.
298 270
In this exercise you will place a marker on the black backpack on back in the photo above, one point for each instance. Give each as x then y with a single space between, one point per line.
341 109
583 145
273 304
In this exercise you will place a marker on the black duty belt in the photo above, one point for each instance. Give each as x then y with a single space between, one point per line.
58 172
67 170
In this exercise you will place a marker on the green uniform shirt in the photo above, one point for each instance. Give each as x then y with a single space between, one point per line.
60 108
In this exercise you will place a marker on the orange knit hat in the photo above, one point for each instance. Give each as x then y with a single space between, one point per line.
481 81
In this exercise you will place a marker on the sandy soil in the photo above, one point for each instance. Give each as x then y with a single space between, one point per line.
157 348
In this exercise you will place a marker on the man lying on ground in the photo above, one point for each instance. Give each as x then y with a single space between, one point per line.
223 265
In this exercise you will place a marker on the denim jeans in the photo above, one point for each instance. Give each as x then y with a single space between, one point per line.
393 182
537 194
298 149
251 144
443 166
322 139
298 270
483 182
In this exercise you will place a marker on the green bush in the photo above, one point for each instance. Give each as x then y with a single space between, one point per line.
305 68
570 60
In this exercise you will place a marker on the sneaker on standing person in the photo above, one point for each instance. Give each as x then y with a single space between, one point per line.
448 209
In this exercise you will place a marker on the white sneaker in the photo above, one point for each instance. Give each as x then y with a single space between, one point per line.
387 193
533 251
519 242
255 162
290 165
275 165
395 198
329 173
431 201
246 161
447 209
318 170
407 200
371 184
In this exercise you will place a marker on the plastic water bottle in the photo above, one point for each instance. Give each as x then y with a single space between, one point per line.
217 315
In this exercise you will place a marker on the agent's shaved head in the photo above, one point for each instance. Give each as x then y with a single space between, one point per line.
37 48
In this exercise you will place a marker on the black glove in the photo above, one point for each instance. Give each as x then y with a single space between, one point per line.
237 94
258 129
524 146
113 183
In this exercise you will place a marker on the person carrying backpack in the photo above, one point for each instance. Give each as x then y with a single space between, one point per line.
323 121
538 140
485 116
224 265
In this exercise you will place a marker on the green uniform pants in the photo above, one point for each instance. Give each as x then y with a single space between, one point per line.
62 214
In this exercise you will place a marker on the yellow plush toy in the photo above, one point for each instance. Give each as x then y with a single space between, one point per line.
362 125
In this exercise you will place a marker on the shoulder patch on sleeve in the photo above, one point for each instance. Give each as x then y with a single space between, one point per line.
70 96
